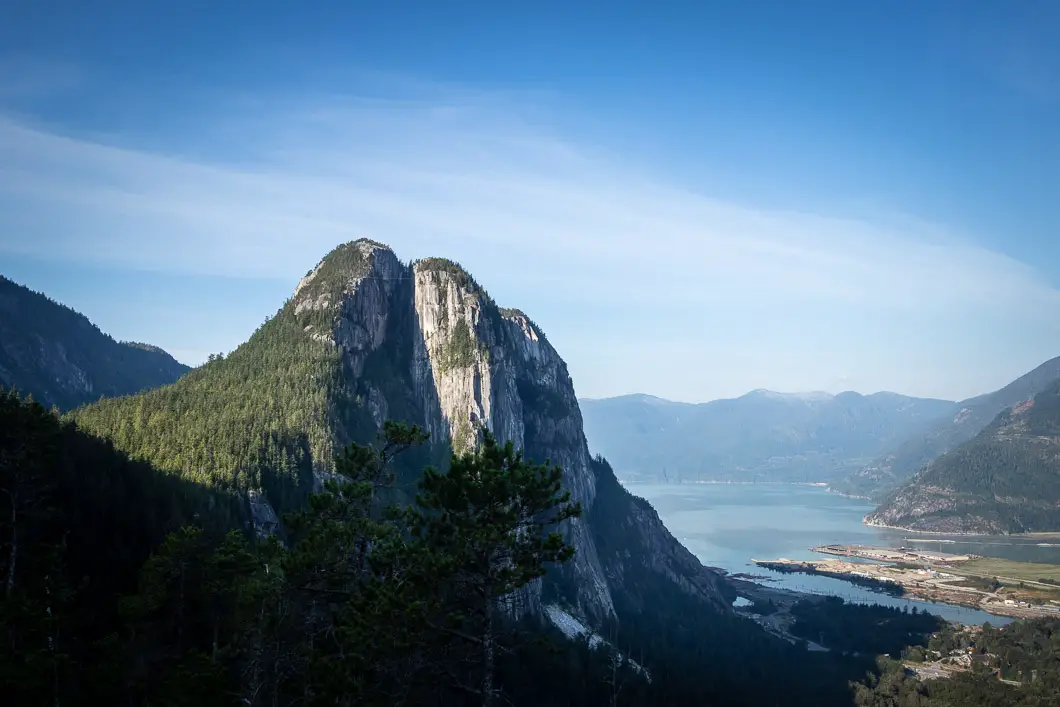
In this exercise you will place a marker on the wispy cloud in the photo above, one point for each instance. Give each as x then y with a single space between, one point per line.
462 175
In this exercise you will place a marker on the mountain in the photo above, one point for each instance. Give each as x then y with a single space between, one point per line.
884 474
761 436
58 356
366 338
1005 480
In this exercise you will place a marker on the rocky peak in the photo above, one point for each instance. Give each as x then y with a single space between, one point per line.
453 272
365 338
339 272
346 299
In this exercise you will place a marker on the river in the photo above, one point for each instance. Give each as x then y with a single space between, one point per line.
728 525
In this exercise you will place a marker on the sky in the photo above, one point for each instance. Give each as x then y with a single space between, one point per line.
693 200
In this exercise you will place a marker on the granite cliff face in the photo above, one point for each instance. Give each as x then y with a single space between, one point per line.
59 357
456 363
474 367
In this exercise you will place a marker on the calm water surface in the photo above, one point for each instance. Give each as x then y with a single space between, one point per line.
728 525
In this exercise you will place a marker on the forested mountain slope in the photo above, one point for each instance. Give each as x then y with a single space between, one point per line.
1005 480
879 478
761 436
78 518
59 357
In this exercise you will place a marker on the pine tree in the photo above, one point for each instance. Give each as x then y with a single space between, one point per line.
490 526
363 590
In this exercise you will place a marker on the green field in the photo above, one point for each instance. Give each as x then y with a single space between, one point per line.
996 567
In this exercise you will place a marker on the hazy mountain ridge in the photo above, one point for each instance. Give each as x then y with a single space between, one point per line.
58 356
760 436
883 475
1005 480
366 338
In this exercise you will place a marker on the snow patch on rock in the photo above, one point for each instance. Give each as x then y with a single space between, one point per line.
573 629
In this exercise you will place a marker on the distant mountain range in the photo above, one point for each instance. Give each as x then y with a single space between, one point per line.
58 356
879 478
989 464
1006 479
760 436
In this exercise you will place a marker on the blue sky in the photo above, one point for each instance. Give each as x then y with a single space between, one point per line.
693 201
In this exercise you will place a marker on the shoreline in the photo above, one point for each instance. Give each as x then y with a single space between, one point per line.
715 482
1049 534
750 584
1052 534
909 590
837 492
941 577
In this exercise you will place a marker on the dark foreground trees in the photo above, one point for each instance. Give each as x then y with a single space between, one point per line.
362 604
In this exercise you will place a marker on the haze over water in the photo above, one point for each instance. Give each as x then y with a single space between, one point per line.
728 525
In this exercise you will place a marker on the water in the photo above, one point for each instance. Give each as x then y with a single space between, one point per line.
728 525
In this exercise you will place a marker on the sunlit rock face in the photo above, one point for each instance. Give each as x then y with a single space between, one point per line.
425 339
